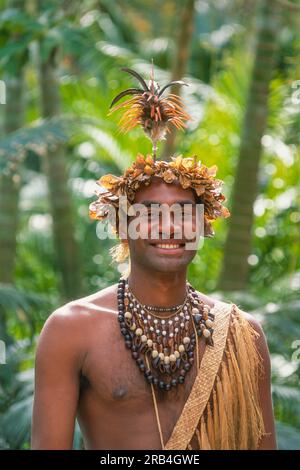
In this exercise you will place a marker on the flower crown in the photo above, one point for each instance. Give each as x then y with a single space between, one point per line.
154 114
188 171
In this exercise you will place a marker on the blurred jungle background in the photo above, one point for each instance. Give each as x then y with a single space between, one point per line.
60 67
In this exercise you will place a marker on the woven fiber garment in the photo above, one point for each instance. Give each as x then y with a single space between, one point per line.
223 409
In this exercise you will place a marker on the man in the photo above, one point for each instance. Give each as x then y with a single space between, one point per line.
135 375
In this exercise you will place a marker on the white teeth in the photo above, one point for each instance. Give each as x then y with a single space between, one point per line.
167 246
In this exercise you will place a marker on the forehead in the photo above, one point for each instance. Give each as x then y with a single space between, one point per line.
162 192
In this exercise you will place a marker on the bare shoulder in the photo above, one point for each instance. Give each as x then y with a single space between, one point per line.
73 314
71 325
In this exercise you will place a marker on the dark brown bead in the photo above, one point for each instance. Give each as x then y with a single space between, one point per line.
143 347
161 385
135 355
182 372
187 367
156 362
128 344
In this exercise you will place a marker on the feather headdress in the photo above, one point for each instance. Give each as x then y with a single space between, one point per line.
147 107
150 109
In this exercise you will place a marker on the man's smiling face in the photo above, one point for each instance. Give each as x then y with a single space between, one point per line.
166 251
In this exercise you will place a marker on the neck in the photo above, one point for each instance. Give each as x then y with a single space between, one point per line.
157 288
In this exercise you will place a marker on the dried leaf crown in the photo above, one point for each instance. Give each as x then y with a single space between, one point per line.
188 171
154 113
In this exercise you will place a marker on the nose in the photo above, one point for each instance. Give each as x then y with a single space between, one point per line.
170 225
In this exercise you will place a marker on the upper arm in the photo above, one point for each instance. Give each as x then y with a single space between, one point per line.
57 368
265 393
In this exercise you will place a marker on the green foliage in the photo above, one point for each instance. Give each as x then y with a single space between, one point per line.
94 44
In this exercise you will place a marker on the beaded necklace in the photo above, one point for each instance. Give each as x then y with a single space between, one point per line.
163 346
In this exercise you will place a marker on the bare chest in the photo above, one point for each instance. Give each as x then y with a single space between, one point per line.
116 392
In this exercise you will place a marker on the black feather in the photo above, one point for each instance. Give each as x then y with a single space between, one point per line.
175 82
130 91
137 76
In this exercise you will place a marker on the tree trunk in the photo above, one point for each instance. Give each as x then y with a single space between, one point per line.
238 243
67 252
10 183
180 65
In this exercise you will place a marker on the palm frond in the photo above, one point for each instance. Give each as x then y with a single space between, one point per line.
39 137
25 306
12 298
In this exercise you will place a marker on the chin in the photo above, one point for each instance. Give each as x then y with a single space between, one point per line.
167 264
